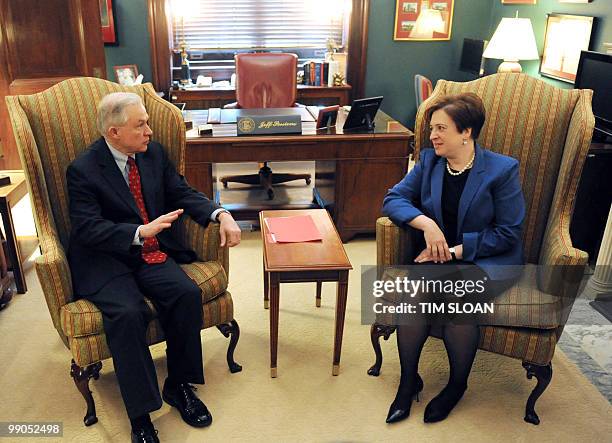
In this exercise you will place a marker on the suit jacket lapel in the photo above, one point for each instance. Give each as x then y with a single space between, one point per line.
113 175
472 184
147 180
437 177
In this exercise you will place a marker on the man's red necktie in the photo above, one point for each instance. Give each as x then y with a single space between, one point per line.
150 249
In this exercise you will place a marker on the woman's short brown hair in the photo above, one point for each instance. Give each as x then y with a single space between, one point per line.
466 110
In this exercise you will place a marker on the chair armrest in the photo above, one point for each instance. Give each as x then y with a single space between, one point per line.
55 279
203 240
394 245
561 265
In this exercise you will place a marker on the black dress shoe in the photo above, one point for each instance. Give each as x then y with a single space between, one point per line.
443 403
145 435
193 411
400 408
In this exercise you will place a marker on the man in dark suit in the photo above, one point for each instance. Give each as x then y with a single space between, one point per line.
124 195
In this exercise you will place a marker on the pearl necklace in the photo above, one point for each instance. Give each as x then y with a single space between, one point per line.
466 167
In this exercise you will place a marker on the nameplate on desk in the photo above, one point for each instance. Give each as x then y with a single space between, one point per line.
269 124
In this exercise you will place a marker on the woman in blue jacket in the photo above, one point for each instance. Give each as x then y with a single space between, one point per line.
468 203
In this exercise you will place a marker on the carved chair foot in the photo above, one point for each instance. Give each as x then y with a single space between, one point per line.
543 375
377 331
231 329
81 376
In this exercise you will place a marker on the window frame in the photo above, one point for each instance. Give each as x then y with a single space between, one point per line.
161 42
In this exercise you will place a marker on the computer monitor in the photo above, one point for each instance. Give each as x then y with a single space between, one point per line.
362 113
595 72
471 56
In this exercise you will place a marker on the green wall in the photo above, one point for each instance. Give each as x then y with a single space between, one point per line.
602 9
133 49
391 65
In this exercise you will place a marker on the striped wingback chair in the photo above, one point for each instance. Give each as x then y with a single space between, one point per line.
422 89
51 128
548 130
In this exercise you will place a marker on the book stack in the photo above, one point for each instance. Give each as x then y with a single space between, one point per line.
316 73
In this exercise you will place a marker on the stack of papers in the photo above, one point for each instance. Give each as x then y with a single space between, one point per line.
296 229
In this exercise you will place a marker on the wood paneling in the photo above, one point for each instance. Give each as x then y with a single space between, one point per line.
358 48
43 43
160 36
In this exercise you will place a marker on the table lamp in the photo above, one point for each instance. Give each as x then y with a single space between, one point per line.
512 41
428 22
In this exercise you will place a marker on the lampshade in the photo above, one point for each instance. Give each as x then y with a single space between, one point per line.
512 41
428 22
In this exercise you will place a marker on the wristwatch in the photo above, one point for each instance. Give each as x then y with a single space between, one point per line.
453 255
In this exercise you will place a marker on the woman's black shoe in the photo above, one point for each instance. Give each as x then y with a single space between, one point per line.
443 403
400 408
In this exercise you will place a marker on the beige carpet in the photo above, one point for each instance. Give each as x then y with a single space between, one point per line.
305 403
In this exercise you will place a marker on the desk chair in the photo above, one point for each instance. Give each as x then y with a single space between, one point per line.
548 130
422 89
51 128
265 80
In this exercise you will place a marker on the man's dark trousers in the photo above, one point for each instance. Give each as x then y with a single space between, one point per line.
125 314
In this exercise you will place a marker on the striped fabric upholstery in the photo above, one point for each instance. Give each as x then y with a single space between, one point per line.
546 128
549 131
82 318
91 348
422 89
51 128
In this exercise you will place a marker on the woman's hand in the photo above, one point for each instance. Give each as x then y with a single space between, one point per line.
437 248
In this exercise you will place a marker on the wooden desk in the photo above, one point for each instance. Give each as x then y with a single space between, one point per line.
320 261
204 98
9 196
353 171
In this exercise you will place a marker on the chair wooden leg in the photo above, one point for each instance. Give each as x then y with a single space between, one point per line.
232 329
376 331
81 378
318 296
543 374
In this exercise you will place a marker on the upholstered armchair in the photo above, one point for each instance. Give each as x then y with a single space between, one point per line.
265 80
548 130
51 128
422 88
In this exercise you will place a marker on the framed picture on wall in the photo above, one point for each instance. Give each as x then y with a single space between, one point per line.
519 2
565 36
107 17
423 20
126 74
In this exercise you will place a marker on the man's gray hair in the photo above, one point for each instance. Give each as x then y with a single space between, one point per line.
111 109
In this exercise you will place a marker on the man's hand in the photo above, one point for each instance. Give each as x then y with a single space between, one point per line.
162 222
229 230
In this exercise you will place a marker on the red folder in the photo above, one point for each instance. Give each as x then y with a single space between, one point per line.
299 228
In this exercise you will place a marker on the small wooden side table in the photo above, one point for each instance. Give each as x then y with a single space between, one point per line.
9 197
317 262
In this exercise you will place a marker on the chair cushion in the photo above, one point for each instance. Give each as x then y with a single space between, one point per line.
524 305
530 345
88 349
209 276
82 317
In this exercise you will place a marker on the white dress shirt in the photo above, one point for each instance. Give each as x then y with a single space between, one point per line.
122 163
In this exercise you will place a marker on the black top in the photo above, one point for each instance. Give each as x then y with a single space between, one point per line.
452 189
